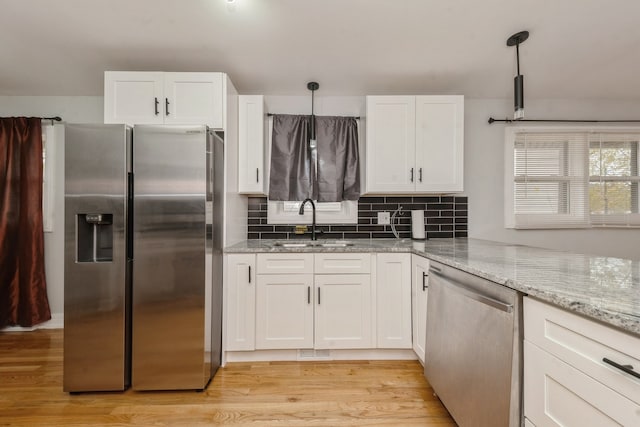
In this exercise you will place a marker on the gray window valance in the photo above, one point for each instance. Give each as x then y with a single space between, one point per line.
293 174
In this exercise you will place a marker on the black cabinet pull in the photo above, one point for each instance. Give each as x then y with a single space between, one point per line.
249 274
420 178
257 174
308 294
318 296
411 174
424 284
157 102
166 106
628 369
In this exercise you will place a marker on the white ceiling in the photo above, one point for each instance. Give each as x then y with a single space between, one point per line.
577 48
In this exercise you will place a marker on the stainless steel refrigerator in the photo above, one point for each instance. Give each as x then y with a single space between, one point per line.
163 214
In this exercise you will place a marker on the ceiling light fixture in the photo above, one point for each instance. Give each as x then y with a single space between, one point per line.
518 81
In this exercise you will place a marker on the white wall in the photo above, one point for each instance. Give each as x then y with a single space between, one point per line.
73 109
484 175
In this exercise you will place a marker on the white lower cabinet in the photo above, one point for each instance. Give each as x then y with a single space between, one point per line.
419 293
284 311
566 380
329 310
343 315
240 302
393 295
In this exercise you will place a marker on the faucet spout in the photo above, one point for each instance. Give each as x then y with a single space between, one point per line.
313 223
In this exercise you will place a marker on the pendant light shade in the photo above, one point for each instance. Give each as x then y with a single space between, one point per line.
518 81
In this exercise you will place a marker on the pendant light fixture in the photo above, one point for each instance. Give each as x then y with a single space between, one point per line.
518 81
313 86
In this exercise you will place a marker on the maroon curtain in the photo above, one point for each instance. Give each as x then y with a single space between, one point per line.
23 288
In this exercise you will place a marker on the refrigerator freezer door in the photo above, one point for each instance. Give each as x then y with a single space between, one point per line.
170 179
96 287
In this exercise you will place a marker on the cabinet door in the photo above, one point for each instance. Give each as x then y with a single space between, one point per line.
390 144
193 98
557 394
251 160
240 302
133 97
284 311
393 293
420 284
439 143
343 315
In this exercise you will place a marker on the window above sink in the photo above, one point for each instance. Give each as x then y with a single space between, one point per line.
326 213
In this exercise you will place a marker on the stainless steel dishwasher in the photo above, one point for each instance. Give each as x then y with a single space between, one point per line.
473 354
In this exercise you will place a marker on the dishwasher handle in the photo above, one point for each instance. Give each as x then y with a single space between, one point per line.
474 295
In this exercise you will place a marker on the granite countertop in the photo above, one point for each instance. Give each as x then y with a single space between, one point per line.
603 288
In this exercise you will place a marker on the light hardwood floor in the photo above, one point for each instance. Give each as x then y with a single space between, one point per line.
380 393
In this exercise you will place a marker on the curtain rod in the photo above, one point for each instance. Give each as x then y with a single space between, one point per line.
492 120
273 114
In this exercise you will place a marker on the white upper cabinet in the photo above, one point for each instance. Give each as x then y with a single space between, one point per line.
251 145
141 97
415 144
439 143
133 97
193 98
390 143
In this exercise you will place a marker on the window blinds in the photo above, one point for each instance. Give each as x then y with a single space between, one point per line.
549 176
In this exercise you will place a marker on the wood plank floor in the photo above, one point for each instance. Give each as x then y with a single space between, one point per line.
362 393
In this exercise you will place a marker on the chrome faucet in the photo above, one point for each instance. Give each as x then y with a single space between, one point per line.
313 223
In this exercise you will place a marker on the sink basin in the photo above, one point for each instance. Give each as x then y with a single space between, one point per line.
335 244
309 244
292 244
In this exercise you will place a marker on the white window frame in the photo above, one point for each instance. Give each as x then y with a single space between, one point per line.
326 213
618 219
590 220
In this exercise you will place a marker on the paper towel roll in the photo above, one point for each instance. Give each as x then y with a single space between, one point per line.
417 225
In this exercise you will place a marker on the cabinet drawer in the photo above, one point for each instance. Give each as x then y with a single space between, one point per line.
556 394
285 263
583 344
342 263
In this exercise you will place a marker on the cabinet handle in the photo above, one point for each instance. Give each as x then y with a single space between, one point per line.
308 294
411 174
166 106
257 174
249 274
157 102
420 178
624 368
318 296
424 284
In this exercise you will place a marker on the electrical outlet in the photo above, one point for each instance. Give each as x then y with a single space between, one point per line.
384 218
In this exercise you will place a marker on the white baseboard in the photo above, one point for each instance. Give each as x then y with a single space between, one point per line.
298 355
56 322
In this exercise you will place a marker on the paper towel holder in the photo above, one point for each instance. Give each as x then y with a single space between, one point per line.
417 225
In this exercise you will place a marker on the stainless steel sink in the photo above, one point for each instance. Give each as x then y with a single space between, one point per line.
334 244
309 244
292 244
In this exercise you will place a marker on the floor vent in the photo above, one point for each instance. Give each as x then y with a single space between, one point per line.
314 354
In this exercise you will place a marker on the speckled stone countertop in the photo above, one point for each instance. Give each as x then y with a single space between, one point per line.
607 289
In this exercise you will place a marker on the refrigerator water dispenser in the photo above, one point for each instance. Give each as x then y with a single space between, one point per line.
95 237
